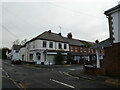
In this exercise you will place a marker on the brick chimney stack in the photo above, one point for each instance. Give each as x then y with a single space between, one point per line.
69 35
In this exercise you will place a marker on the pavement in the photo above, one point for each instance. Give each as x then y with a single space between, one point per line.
105 79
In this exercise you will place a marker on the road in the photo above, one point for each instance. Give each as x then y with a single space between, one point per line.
26 76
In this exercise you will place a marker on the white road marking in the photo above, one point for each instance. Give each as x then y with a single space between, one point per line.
5 73
70 75
62 83
12 65
60 72
72 69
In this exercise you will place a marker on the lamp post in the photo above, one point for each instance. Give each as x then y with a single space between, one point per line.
97 54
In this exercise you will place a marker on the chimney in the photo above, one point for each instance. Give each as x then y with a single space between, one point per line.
69 35
49 31
96 41
59 34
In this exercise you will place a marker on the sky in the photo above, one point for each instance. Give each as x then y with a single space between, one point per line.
25 19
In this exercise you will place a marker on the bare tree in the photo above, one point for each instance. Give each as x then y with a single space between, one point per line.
23 42
16 42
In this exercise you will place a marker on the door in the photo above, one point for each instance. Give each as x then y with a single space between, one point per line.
38 56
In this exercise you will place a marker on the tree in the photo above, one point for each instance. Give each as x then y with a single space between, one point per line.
3 52
70 58
23 42
59 58
16 42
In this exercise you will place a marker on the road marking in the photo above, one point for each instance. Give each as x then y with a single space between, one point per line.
72 69
62 83
19 85
12 65
5 73
60 72
31 67
70 75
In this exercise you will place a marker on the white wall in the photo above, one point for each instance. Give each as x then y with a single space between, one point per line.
115 26
22 52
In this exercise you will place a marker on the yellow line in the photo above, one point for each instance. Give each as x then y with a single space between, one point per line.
14 82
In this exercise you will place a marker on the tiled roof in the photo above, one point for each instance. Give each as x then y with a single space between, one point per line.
74 41
51 36
87 43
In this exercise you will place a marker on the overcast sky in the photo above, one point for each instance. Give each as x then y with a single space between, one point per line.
85 19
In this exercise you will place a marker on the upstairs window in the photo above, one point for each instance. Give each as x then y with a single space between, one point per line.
81 49
76 49
71 48
50 44
33 44
85 49
44 43
65 46
60 46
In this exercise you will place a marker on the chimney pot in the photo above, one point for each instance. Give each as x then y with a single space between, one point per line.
69 35
49 31
59 34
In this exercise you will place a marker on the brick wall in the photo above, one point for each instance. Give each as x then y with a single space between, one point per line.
111 63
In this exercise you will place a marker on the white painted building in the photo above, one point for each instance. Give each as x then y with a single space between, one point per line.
14 55
113 16
43 48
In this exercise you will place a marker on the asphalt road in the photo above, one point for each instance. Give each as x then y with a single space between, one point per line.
26 76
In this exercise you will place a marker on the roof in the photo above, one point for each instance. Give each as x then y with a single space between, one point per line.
51 36
112 10
74 41
16 47
48 35
104 43
88 44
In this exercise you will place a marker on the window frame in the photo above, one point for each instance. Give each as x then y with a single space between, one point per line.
60 45
50 44
44 44
65 46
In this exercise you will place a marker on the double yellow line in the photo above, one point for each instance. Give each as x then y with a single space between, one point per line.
18 84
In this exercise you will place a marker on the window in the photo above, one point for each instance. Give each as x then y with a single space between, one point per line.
76 49
22 57
60 46
31 57
89 50
51 44
38 55
71 48
92 51
65 46
84 49
81 49
16 51
44 43
33 44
